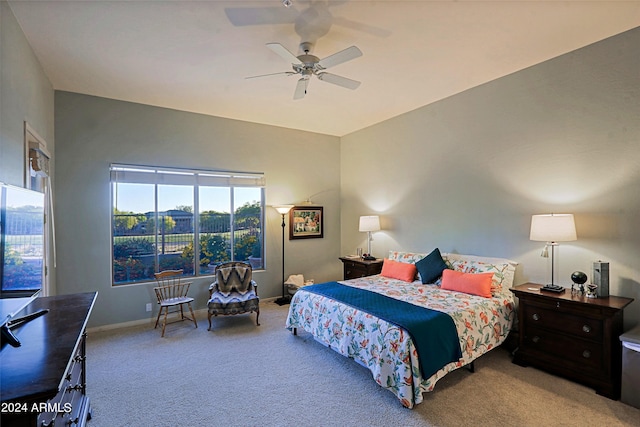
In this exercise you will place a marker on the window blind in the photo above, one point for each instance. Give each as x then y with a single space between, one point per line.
173 176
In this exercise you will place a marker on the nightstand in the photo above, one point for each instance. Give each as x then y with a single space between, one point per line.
358 267
571 336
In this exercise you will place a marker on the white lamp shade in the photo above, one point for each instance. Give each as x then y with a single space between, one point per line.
283 209
553 228
369 223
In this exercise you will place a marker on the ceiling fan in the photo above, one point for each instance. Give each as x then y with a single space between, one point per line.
307 65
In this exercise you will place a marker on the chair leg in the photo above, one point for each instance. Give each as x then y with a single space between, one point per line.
193 316
164 321
257 316
209 318
158 318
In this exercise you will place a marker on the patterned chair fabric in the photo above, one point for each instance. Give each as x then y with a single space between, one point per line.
233 291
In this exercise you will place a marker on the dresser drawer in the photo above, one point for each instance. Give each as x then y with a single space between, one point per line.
356 267
578 326
579 354
572 336
68 406
354 270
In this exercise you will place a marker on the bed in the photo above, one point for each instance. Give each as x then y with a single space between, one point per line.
388 350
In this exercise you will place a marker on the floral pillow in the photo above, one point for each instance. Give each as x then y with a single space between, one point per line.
503 270
408 257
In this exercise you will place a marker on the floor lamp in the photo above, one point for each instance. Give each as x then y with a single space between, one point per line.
552 228
283 210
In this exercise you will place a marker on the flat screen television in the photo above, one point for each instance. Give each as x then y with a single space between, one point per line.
22 254
21 241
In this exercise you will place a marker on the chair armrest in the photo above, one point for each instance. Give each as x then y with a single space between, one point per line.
213 288
255 286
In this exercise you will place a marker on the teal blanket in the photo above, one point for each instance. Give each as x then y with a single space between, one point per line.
434 333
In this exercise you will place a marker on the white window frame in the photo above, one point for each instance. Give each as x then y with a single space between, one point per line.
37 162
156 175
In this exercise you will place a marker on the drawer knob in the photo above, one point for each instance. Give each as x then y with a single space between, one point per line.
536 316
535 339
586 328
586 354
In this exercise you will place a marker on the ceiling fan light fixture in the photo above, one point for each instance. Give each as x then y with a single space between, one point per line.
307 65
287 3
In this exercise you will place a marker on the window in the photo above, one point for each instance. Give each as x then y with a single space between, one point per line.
193 220
22 251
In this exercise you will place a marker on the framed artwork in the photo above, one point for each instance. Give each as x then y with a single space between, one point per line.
306 222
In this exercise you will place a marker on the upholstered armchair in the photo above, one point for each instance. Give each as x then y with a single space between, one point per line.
233 291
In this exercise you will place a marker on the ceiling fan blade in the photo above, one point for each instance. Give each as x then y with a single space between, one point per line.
241 16
339 80
359 26
284 52
288 73
340 57
301 88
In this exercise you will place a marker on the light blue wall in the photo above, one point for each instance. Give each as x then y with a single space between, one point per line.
465 174
93 132
26 95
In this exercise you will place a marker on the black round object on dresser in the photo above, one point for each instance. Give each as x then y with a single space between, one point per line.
578 277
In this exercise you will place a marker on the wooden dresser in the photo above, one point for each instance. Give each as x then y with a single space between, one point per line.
571 336
43 381
358 267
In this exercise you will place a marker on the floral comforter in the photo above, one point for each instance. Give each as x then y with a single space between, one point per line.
387 350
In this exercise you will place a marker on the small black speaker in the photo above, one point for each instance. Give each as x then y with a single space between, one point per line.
601 278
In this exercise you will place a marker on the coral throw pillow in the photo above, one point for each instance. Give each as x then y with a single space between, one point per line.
469 283
398 270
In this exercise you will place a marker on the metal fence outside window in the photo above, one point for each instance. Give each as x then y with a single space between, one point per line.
136 247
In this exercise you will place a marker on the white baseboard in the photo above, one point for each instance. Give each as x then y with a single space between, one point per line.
152 320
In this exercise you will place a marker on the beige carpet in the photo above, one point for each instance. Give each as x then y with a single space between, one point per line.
241 374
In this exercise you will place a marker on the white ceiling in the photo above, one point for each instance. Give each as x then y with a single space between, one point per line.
194 56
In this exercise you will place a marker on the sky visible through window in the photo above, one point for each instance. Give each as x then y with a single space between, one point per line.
138 198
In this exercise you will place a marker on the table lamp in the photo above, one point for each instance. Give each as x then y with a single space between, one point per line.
369 223
552 228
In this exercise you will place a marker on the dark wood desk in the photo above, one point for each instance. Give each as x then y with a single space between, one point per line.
44 378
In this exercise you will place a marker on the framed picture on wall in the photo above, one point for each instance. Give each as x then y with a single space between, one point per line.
306 222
